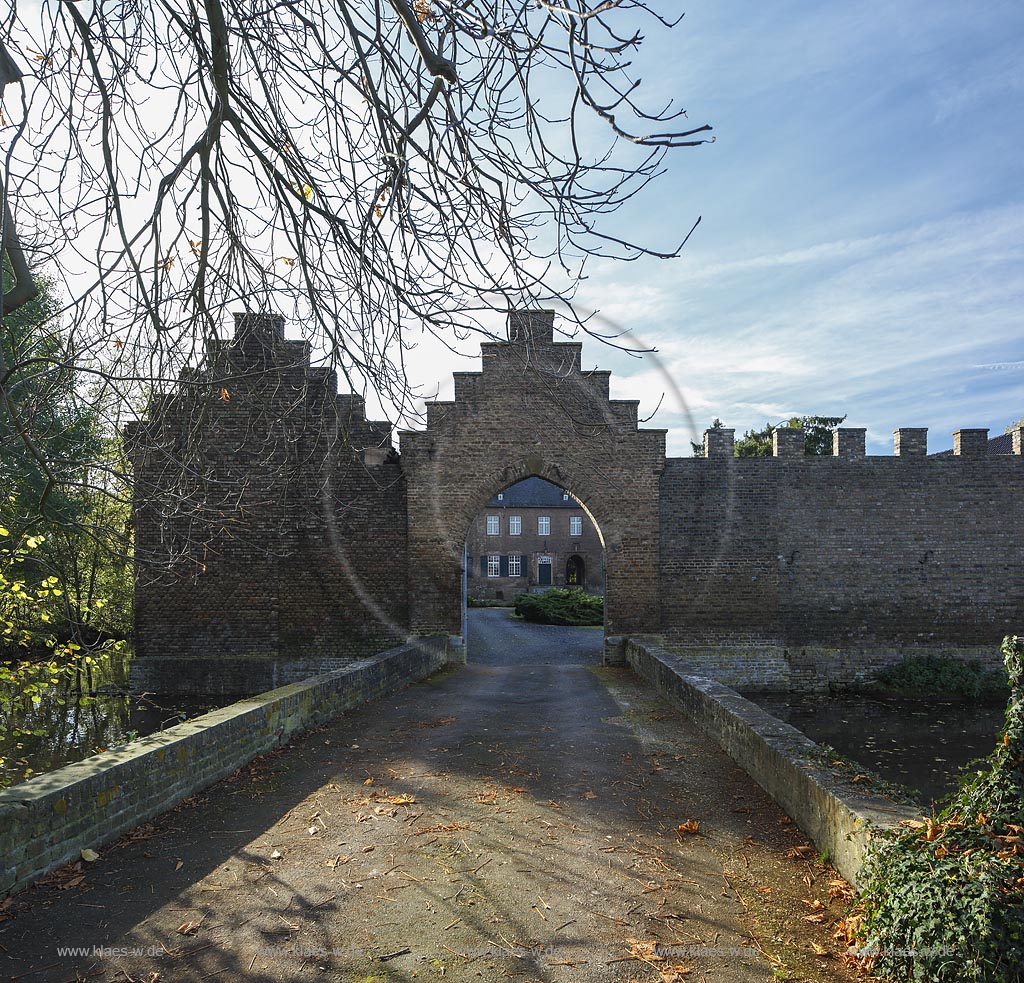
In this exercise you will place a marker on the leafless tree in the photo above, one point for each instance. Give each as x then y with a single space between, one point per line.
367 165
370 168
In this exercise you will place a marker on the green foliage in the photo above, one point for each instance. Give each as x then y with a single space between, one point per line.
817 436
36 657
59 498
758 443
942 676
559 606
943 901
48 430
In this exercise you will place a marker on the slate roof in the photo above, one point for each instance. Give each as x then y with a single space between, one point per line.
533 493
1003 444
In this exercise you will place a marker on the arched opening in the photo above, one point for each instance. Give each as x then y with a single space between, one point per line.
525 546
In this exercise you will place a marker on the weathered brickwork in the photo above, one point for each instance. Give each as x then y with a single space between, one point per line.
269 521
532 411
799 571
279 532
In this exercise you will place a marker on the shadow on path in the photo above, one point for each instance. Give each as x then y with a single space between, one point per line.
499 822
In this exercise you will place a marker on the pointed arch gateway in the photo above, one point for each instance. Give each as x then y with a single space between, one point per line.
532 411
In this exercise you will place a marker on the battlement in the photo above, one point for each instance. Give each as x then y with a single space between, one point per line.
850 442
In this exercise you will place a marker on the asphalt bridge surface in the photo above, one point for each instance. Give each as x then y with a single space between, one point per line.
515 819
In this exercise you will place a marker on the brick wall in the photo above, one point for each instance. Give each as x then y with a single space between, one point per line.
825 568
278 531
532 411
269 520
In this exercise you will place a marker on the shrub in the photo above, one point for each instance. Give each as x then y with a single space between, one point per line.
943 900
561 607
943 676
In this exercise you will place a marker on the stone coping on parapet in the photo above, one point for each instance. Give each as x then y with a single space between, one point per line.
47 821
839 817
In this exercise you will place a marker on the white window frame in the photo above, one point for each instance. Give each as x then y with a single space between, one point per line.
543 525
515 565
493 565
493 525
575 525
515 525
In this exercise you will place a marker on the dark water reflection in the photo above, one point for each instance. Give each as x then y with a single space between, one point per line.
83 725
923 745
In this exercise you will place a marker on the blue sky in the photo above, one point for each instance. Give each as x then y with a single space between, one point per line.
862 243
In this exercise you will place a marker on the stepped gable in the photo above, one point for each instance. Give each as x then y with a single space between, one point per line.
532 410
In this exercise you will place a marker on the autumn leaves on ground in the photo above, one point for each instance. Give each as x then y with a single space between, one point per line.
544 819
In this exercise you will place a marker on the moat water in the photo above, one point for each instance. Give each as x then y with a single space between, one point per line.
925 746
79 717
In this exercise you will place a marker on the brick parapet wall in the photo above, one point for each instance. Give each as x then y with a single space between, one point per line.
48 820
840 817
815 555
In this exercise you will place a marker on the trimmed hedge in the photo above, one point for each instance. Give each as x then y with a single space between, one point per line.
561 607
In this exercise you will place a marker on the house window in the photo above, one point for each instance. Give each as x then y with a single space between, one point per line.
565 496
493 525
543 525
515 565
515 525
501 497
493 566
575 525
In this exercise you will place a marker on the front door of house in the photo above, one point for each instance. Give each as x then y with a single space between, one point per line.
544 571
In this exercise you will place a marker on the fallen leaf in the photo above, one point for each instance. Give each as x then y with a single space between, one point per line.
690 826
369 849
313 830
674 974
644 950
90 856
369 781
276 855
590 795
401 800
188 928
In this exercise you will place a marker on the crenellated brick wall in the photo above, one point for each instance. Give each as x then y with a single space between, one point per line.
278 530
